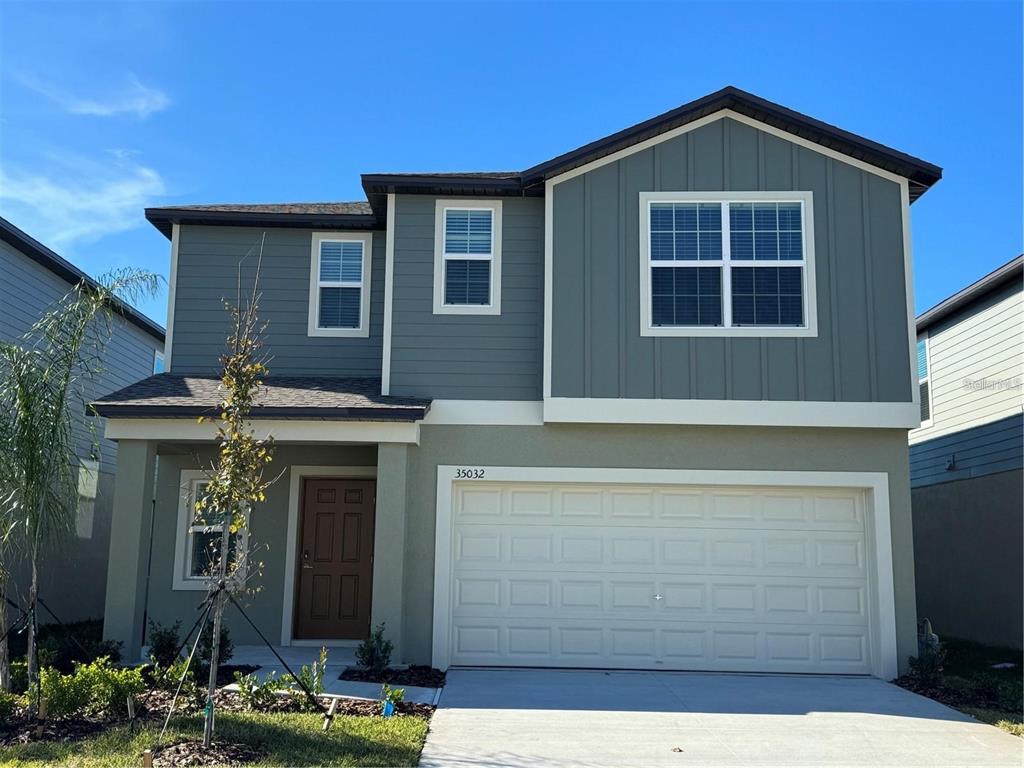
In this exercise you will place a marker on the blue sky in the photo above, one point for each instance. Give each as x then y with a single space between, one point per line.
108 108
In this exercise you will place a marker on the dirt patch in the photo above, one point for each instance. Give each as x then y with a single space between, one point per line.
23 730
415 675
190 753
977 698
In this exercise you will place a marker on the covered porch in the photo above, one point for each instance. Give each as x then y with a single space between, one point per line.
325 550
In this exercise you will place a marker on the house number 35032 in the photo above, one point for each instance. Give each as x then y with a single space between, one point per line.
466 473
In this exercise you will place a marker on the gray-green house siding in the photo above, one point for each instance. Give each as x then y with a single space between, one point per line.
861 351
210 261
468 357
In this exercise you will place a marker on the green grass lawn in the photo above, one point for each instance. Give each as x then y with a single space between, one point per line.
283 738
968 670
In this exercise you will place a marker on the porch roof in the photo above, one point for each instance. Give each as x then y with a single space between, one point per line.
168 395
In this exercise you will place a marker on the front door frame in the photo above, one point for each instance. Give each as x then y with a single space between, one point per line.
875 486
297 474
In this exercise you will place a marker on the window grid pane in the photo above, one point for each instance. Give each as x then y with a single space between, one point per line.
686 231
468 231
765 231
769 296
467 282
684 296
341 262
339 307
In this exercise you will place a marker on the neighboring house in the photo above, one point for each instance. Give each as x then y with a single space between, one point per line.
967 461
32 279
641 405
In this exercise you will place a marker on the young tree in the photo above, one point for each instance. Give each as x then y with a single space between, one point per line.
44 388
236 478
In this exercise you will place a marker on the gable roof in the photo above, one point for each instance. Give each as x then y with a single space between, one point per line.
921 175
64 269
1012 271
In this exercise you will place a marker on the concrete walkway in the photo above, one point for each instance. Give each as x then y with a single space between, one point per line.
593 718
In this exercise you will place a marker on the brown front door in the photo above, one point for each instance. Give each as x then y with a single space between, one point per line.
335 559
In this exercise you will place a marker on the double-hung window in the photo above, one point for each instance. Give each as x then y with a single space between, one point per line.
198 541
467 257
730 264
924 381
339 284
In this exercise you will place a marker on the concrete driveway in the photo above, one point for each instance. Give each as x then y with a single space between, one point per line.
532 717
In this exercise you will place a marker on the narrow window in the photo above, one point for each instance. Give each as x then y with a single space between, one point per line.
467 259
714 264
158 361
199 537
924 380
339 285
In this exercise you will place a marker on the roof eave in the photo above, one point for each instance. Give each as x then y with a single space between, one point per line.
1012 271
165 218
382 413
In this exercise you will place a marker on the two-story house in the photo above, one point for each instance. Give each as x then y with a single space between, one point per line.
967 461
32 280
642 405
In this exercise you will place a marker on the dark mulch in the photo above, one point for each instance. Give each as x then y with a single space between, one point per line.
155 704
417 675
21 729
978 698
189 753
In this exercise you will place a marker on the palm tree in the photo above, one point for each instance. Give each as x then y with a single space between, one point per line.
44 380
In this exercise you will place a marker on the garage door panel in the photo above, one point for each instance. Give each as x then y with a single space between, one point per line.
585 505
737 647
660 577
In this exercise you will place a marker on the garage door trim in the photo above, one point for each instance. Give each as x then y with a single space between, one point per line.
875 485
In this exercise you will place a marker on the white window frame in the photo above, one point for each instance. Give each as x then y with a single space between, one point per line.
810 307
441 206
158 356
190 479
315 284
927 380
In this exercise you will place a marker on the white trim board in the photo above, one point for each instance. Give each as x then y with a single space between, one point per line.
389 297
284 430
739 413
908 277
172 282
516 413
874 484
296 473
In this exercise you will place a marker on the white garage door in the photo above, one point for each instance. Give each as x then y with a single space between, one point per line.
662 577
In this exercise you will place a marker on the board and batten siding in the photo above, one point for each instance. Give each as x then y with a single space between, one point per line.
27 290
468 357
210 262
976 365
861 352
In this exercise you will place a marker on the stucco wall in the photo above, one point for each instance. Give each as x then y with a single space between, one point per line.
968 550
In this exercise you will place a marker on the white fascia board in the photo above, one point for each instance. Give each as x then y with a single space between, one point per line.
298 430
389 296
737 413
172 281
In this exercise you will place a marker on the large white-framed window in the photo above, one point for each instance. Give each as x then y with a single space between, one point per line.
339 284
727 264
197 542
924 380
467 257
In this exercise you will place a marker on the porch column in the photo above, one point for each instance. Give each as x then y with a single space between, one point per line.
129 540
389 542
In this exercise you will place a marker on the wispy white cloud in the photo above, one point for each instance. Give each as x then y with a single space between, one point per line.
130 98
76 199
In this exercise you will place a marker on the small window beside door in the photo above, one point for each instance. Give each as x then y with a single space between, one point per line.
198 541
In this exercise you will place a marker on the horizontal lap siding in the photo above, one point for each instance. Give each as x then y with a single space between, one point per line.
861 351
27 290
996 446
210 260
468 356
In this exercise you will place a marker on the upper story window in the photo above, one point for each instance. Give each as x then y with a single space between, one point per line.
924 381
730 264
158 361
339 284
467 257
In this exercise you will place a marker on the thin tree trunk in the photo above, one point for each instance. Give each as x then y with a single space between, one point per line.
5 659
33 624
218 614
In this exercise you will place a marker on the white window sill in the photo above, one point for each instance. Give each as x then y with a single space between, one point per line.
343 333
715 331
467 309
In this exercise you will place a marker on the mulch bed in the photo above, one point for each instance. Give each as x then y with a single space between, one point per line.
189 753
415 675
952 697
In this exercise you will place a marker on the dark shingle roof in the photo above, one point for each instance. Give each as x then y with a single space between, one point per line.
1010 272
356 208
356 215
281 397
64 269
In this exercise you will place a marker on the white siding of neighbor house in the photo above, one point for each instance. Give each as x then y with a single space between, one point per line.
983 343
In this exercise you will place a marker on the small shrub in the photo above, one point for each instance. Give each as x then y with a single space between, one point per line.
9 704
19 676
374 653
310 677
927 667
97 688
257 695
164 643
205 651
65 695
395 695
